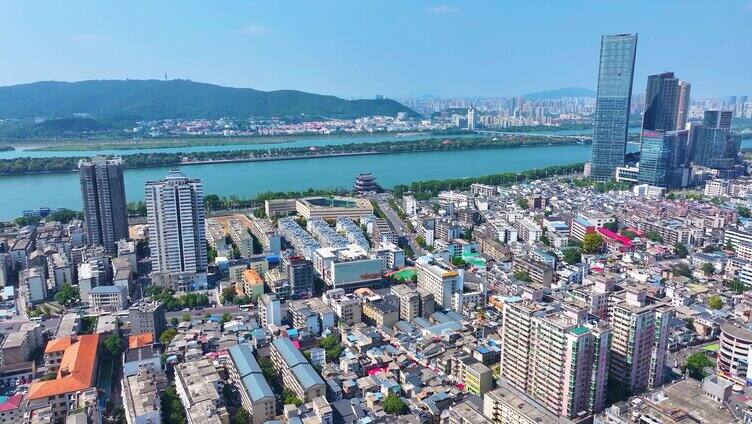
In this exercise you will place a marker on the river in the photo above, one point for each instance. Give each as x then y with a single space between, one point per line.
244 179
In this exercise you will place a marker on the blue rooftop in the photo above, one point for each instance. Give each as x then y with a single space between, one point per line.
250 372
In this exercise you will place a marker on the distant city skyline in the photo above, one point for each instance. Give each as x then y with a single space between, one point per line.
397 49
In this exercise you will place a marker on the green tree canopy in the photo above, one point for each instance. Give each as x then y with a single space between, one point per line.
715 302
394 405
572 255
680 250
592 242
696 364
68 295
167 335
114 344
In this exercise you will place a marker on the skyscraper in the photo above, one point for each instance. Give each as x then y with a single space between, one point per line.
615 77
682 107
714 145
175 216
663 150
661 101
471 119
663 158
103 195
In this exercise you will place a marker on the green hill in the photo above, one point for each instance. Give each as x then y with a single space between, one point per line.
176 99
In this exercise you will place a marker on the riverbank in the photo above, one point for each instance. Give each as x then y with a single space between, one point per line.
76 145
28 165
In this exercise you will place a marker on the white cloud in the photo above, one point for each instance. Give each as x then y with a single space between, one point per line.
442 9
88 37
255 30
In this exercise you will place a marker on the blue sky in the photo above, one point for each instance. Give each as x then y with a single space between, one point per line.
360 48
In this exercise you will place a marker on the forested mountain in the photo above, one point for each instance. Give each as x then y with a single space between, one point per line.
129 100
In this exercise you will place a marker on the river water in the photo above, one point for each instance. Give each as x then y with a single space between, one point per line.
244 179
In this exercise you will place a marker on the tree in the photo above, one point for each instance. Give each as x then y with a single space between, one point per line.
708 268
228 294
114 345
167 335
696 364
241 417
715 302
592 242
458 262
737 286
288 398
682 269
743 211
174 322
172 409
394 405
545 240
522 276
522 203
654 236
68 295
628 234
572 255
186 318
612 226
420 241
332 346
680 250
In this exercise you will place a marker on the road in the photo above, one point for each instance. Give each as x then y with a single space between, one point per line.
398 225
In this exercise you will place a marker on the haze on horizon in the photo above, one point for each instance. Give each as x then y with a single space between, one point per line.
394 48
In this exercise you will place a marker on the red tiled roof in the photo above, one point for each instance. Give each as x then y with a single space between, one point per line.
140 340
77 368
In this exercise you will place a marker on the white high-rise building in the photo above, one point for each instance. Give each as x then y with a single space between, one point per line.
175 215
471 119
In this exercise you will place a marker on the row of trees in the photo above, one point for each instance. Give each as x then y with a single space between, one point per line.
29 165
176 303
424 190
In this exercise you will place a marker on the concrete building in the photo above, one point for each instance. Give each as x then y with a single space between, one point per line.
147 317
140 398
297 374
108 298
556 356
269 310
103 194
255 394
199 387
538 271
347 307
349 267
640 339
175 215
439 278
380 313
267 235
734 353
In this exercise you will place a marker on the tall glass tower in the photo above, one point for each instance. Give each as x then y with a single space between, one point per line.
661 102
615 76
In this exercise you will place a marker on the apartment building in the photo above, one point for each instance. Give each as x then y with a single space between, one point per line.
255 394
140 398
269 310
556 354
347 307
297 373
539 271
147 317
439 278
199 387
267 235
640 338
